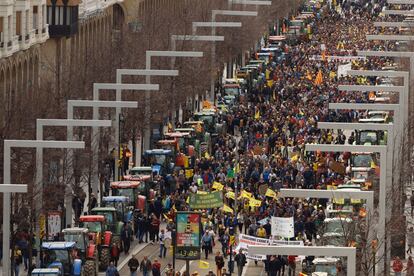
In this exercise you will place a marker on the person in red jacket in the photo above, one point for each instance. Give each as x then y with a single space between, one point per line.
115 253
397 266
156 268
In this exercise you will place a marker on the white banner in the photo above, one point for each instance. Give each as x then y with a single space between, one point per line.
343 69
283 227
53 224
337 58
246 240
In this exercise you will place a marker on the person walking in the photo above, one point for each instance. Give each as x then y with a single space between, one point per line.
115 251
412 203
126 235
17 260
206 242
410 239
133 265
240 259
156 268
397 266
163 250
111 270
410 267
219 263
146 266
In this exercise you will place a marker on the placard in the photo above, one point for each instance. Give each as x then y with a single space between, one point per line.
206 201
53 224
283 227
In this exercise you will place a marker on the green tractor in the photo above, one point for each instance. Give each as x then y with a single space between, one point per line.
114 221
100 236
85 250
122 204
59 257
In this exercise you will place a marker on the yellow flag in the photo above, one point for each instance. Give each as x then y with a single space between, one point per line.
237 168
246 194
270 193
187 200
231 195
319 78
217 186
203 265
257 114
227 209
339 201
206 155
355 201
254 202
175 210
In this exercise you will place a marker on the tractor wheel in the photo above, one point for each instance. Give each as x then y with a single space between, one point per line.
104 259
89 268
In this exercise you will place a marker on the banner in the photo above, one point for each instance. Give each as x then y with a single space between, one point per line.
270 193
206 201
231 195
188 241
227 209
246 240
283 227
343 69
254 202
53 224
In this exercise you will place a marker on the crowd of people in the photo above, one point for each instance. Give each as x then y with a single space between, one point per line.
264 145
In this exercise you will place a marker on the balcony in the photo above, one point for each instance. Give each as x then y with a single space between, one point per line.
63 30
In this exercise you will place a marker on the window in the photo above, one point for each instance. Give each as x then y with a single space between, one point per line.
18 23
35 17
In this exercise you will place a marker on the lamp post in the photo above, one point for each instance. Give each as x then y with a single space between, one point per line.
214 14
94 104
132 72
8 145
382 150
148 58
97 87
40 123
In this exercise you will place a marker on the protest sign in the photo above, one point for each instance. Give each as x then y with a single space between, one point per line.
283 227
206 201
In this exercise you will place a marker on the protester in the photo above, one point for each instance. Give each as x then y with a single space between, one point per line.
111 270
146 266
219 263
115 251
156 268
163 250
241 261
133 265
397 266
126 236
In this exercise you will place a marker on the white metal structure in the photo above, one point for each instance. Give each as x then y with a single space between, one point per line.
8 145
382 150
251 2
148 58
97 87
391 37
348 252
94 104
359 106
398 12
132 72
401 2
214 14
40 123
394 24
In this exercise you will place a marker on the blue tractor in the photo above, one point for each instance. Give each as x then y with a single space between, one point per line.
161 160
121 204
46 272
63 256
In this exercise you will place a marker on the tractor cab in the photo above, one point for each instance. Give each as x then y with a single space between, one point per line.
139 173
209 118
160 160
113 220
85 250
168 144
46 272
99 238
58 255
121 204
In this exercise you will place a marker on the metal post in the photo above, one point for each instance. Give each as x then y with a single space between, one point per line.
8 144
95 134
69 135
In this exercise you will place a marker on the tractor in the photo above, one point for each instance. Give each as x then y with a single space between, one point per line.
136 191
121 203
160 160
59 255
85 250
113 221
100 235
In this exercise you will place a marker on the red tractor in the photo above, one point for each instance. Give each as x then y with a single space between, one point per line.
99 235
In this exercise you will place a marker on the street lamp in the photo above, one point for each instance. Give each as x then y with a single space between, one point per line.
382 150
148 57
95 138
40 123
94 104
214 14
133 72
8 144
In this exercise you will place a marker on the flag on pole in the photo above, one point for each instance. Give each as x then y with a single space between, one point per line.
257 114
227 209
319 78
